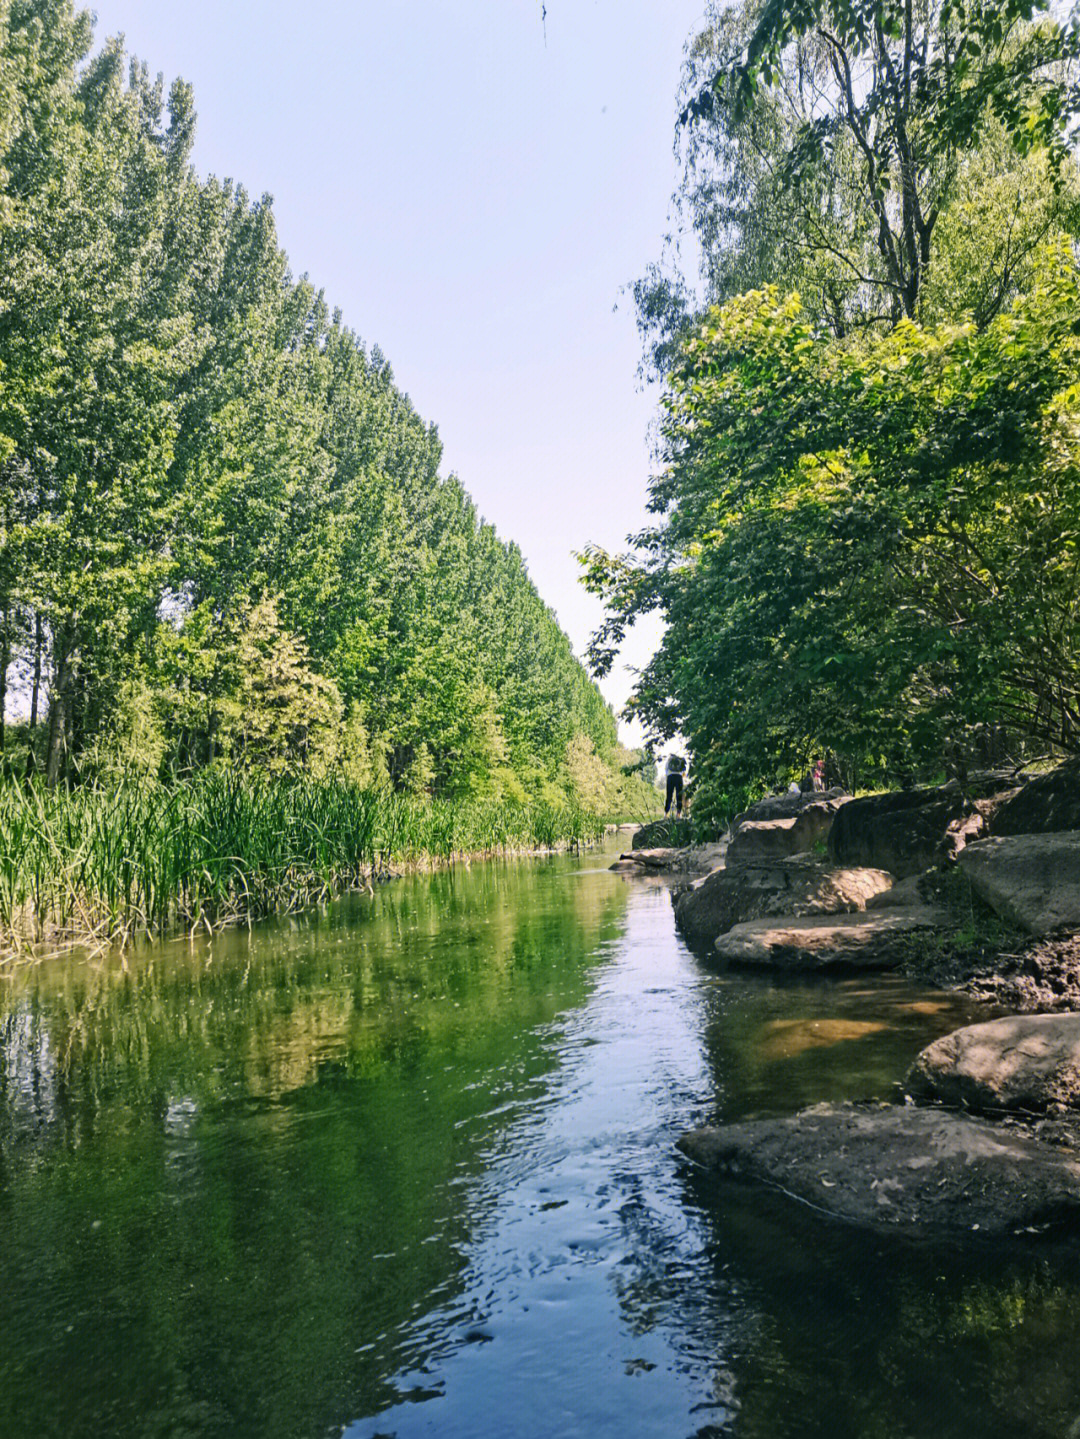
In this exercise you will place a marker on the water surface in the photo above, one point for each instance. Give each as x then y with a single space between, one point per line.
407 1168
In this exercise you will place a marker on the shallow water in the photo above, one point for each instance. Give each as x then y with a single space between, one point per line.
407 1168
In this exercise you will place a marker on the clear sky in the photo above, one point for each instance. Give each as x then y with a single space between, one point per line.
473 193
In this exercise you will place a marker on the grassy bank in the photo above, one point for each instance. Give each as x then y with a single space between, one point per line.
101 865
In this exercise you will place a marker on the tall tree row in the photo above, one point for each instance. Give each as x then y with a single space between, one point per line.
223 530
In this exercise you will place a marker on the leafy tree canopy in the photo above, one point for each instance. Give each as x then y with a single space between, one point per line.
869 546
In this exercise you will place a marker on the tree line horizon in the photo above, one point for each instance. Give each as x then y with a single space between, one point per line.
224 534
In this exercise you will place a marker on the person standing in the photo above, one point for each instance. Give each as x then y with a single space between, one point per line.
675 769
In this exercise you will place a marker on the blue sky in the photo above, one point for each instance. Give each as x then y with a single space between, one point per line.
473 194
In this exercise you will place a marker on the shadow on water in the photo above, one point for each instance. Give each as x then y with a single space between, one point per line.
407 1167
832 1332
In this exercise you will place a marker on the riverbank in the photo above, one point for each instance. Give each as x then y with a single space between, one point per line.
974 890
100 866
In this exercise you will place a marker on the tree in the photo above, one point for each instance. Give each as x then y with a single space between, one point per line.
864 545
827 146
221 521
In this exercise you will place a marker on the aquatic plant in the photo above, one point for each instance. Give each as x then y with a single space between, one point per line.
102 864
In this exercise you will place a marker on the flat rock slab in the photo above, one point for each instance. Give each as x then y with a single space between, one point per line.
878 939
799 885
692 859
1032 880
783 806
900 1168
1027 1062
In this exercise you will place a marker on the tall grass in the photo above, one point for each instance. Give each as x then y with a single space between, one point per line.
97 864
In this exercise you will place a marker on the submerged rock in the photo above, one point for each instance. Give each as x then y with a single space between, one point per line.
799 885
877 940
900 1168
1032 880
1028 1062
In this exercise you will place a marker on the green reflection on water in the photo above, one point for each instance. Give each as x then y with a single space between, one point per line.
262 1185
226 1167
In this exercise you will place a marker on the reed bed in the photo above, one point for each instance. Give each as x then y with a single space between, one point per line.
101 865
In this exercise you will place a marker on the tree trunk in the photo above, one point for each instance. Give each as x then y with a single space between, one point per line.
5 662
59 703
36 690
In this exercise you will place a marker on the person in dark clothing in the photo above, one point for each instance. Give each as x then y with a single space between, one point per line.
676 768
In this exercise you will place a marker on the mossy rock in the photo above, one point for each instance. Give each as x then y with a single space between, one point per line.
662 834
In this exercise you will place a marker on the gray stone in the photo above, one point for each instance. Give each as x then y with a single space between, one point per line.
787 805
1032 880
1045 805
900 1168
657 835
1027 1062
800 885
904 894
692 859
878 940
759 840
903 832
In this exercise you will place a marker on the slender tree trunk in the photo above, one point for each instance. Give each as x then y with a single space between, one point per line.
36 689
5 663
59 703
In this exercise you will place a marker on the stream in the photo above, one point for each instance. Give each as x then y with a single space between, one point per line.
406 1167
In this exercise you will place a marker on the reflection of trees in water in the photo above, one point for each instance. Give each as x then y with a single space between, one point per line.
826 1332
247 1122
664 1286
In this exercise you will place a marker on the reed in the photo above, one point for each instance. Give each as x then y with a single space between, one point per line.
100 865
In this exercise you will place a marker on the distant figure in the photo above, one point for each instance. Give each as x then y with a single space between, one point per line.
676 768
813 780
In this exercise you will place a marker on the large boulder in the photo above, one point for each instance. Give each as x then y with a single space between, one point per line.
900 1168
755 841
659 834
903 832
878 940
1032 880
1046 804
787 805
1027 1062
800 885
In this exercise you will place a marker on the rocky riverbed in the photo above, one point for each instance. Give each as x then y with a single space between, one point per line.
973 886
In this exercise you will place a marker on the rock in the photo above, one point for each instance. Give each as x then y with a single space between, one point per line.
1044 805
1032 880
657 835
1041 977
900 1168
904 894
755 841
990 784
802 884
902 832
691 859
1027 1061
786 806
880 940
